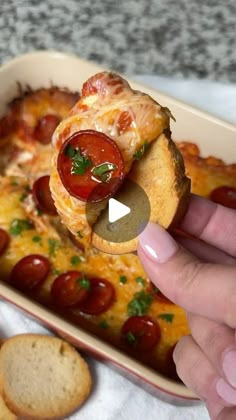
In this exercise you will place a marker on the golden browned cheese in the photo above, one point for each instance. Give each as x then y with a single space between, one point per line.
102 111
20 154
49 237
58 247
206 173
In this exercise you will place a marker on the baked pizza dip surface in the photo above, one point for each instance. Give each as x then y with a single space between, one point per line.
108 295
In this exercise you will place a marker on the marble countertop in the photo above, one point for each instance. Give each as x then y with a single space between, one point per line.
185 38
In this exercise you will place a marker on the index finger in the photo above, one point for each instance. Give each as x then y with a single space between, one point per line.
212 223
201 288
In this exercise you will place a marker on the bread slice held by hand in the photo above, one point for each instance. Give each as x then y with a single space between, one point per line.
42 377
161 175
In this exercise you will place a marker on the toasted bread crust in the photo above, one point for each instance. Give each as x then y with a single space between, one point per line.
49 343
161 174
5 413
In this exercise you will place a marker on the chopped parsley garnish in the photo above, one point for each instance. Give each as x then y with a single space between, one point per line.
79 162
84 283
56 271
79 234
104 171
131 338
140 280
69 151
22 197
39 211
140 303
139 153
103 324
123 279
53 245
167 317
75 260
19 225
14 183
37 239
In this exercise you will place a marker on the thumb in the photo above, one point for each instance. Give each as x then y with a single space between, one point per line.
201 288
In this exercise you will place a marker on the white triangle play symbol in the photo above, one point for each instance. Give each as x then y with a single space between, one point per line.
116 210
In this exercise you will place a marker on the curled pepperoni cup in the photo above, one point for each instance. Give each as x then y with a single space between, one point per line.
70 289
226 196
43 197
45 128
30 272
93 85
4 241
104 83
124 122
90 161
140 333
100 297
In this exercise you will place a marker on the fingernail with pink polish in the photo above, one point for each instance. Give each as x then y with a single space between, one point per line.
229 367
157 243
225 391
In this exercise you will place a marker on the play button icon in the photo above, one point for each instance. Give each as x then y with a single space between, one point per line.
116 210
125 214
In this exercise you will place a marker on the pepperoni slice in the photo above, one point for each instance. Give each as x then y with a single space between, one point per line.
43 197
104 83
226 196
101 296
124 122
91 166
30 272
70 288
4 241
92 85
45 128
141 333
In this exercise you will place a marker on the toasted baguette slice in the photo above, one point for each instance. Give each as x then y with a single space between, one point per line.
5 414
161 174
42 377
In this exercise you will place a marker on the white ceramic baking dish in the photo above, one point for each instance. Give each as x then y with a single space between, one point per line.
42 69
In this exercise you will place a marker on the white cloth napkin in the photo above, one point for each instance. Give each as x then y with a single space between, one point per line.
114 397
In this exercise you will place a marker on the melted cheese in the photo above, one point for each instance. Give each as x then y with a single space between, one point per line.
94 264
101 112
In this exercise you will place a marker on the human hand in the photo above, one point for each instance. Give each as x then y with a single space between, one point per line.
200 275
